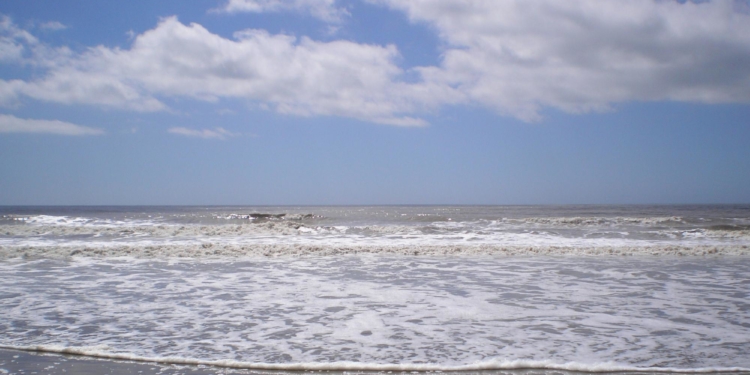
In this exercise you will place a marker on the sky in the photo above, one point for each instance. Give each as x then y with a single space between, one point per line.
359 102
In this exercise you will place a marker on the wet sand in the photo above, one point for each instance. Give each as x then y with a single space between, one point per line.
15 362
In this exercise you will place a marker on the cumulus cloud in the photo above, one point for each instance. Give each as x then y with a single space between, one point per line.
216 133
514 56
518 56
325 10
294 76
13 124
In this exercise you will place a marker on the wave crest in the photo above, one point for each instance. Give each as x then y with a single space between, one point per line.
211 250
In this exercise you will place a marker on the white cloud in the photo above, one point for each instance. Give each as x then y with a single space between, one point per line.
21 47
325 10
13 41
216 133
12 124
518 56
514 56
302 77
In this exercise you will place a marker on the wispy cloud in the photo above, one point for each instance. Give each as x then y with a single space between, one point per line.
215 133
52 26
13 124
13 41
324 10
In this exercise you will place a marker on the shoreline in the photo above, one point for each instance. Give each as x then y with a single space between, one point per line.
17 361
14 361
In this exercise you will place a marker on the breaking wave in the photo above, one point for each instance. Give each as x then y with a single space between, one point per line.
172 230
599 221
293 232
209 250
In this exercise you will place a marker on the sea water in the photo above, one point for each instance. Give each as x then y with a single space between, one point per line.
585 288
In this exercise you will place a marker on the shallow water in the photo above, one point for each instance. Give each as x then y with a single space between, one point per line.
402 288
371 312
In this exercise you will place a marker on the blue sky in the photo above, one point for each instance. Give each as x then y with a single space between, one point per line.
374 102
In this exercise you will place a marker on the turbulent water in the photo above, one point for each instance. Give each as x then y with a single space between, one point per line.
435 230
591 288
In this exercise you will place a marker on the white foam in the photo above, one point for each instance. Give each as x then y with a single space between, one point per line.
271 248
298 234
80 222
493 364
399 311
600 221
389 239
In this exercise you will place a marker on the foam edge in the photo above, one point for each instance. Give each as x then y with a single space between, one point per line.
494 364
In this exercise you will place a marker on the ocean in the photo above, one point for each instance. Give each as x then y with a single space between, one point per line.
379 289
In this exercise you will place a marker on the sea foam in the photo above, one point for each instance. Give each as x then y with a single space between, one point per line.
407 311
488 365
